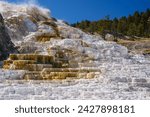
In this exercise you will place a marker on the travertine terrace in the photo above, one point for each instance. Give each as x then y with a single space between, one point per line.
57 61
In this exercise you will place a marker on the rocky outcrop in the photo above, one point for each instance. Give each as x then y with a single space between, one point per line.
6 46
137 46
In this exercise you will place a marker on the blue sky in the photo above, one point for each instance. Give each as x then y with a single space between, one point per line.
77 10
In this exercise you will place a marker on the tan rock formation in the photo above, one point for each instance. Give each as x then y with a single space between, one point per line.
44 67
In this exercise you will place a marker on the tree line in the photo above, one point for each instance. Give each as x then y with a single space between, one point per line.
137 24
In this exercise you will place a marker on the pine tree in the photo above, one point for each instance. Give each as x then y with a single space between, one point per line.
137 24
132 30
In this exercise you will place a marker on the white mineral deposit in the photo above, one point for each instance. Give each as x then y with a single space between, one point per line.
88 66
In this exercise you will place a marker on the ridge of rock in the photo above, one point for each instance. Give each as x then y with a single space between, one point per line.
6 46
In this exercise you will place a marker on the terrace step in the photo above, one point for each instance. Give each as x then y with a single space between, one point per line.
17 64
43 59
48 70
38 67
32 76
63 73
